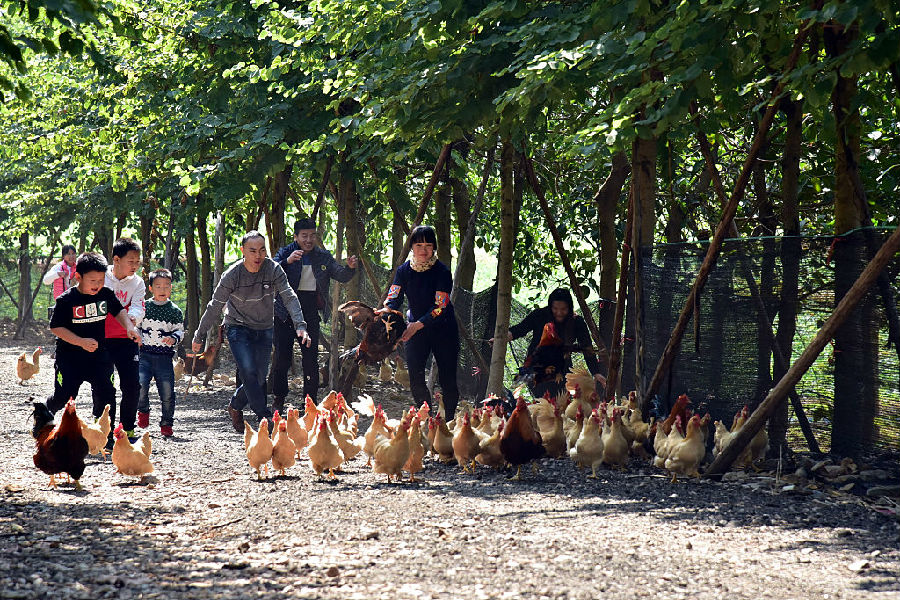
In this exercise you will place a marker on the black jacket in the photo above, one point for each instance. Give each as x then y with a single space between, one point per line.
325 268
575 333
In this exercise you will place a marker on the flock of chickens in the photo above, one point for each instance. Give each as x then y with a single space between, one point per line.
574 425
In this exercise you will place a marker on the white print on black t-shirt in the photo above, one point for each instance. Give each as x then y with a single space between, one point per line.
89 313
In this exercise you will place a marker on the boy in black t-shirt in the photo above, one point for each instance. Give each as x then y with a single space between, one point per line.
79 321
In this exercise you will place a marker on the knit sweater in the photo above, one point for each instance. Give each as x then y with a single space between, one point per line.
161 319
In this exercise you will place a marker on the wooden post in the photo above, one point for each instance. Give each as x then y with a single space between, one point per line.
573 280
762 413
420 214
615 352
761 313
668 355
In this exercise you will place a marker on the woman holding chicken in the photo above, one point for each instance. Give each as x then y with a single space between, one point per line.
427 283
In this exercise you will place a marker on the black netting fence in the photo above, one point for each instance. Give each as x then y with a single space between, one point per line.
852 392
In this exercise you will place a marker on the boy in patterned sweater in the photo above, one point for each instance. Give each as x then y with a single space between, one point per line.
161 329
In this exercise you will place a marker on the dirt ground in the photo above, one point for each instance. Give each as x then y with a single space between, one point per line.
203 527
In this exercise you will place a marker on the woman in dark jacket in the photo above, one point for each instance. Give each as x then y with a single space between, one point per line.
568 333
427 283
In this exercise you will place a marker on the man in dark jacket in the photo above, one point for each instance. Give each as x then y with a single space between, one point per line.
556 332
309 270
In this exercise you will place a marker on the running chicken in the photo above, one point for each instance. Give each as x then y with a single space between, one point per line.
132 459
97 433
258 446
283 449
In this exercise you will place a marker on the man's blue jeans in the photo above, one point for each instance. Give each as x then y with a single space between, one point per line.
251 349
158 367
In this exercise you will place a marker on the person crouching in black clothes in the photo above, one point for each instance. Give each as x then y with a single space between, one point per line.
309 270
427 283
556 332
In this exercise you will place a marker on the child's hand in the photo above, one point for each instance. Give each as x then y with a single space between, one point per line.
134 335
168 340
89 344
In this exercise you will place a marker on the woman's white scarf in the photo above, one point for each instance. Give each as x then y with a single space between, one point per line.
420 267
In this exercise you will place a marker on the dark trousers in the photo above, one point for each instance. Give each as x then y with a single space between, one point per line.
283 339
443 342
74 367
251 349
158 367
124 355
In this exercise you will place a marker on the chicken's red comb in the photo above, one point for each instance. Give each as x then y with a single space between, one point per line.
119 428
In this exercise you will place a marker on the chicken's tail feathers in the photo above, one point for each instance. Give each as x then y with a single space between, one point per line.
365 405
42 416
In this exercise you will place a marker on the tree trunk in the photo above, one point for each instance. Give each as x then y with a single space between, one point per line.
504 269
192 312
276 213
397 240
25 313
643 169
790 262
855 365
206 275
607 200
442 222
171 252
220 248
334 366
147 217
465 269
350 202
766 228
120 222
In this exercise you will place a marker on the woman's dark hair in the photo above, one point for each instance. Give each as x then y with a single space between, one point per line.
123 246
68 248
561 295
90 262
423 234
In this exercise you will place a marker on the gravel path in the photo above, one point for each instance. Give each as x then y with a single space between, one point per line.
203 527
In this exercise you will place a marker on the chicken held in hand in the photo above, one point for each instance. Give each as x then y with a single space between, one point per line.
59 449
258 446
97 433
132 459
520 442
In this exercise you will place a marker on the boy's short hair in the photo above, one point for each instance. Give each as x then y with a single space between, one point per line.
123 246
250 235
90 262
164 273
67 248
